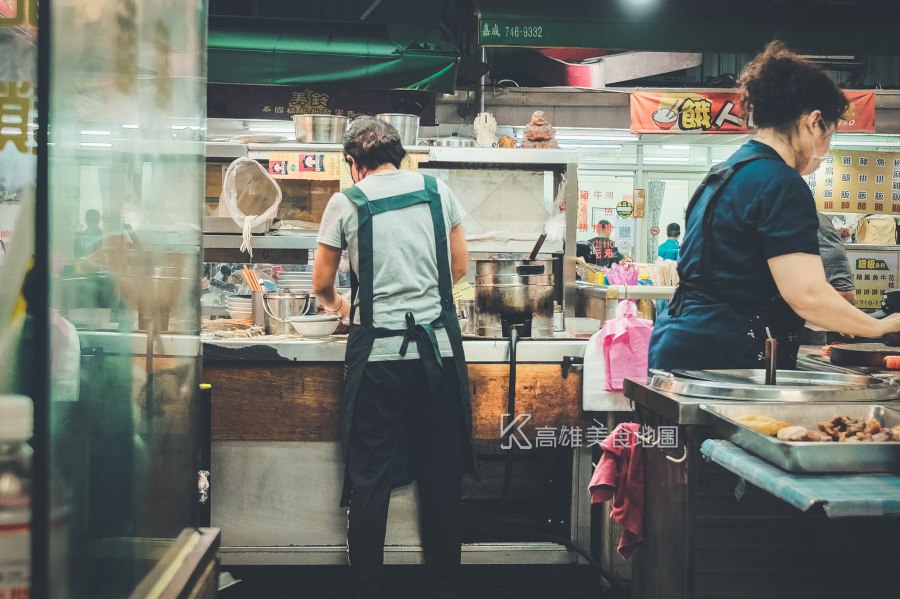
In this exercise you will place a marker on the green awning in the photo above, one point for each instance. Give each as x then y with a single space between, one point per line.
289 52
680 26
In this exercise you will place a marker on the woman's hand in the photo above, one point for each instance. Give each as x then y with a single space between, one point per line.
801 281
890 324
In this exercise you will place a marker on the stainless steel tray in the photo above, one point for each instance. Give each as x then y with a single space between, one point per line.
810 457
793 386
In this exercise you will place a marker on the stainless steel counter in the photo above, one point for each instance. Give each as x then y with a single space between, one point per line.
682 409
332 350
135 344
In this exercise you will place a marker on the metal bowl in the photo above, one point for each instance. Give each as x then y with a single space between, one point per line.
320 128
405 124
454 142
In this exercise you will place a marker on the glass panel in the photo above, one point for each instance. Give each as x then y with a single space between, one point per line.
18 72
126 195
676 154
598 195
667 199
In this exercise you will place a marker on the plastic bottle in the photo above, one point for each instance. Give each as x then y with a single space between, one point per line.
16 428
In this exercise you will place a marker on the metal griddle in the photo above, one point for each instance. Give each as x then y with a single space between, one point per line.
871 355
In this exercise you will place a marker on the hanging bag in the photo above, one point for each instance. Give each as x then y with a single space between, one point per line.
250 196
877 230
626 345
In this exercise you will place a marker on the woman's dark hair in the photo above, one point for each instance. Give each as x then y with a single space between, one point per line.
673 230
372 143
778 87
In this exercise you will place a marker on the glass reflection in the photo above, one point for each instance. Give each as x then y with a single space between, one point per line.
126 188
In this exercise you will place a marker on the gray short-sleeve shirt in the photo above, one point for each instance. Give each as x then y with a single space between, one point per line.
405 260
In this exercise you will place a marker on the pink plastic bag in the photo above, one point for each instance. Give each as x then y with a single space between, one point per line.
626 344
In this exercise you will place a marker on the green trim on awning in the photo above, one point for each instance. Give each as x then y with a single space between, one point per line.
686 26
286 52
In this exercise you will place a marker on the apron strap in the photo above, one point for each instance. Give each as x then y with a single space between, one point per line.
445 279
428 348
713 183
361 285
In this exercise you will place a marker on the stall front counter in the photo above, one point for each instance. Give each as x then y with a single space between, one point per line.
713 530
276 462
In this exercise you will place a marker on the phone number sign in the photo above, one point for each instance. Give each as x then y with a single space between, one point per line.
498 33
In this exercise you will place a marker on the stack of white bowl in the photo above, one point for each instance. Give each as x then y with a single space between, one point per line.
240 307
295 281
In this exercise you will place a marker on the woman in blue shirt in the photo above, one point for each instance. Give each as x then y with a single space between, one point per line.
750 261
668 250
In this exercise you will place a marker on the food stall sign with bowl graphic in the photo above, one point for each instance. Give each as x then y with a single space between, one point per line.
721 112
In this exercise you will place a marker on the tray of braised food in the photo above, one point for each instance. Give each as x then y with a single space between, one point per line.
811 438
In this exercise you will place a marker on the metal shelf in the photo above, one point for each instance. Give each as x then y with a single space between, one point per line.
227 241
481 156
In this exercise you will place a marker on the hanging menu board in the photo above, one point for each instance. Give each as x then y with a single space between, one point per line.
855 181
873 273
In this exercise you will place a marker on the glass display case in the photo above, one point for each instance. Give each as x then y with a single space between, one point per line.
126 188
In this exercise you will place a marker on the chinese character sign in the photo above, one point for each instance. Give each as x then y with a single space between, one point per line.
18 115
873 274
721 112
858 181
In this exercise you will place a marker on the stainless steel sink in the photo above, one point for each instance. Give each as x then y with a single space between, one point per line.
792 386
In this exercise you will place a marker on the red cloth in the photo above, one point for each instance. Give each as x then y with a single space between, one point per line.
620 476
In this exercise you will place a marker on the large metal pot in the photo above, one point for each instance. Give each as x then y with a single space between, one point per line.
405 124
280 306
320 128
514 291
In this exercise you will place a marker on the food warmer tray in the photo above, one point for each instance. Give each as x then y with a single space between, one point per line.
804 456
793 386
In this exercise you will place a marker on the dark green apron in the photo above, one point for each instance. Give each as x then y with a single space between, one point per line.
363 335
774 316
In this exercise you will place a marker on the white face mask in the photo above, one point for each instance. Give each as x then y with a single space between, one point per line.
815 160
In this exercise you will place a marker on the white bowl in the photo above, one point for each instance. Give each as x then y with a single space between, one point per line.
315 325
240 314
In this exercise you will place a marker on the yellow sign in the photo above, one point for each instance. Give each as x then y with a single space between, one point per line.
316 167
16 13
873 274
858 181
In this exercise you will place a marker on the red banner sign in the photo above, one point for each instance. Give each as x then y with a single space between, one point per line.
720 112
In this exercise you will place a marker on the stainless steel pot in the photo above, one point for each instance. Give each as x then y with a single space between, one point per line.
280 306
514 291
320 128
453 142
405 124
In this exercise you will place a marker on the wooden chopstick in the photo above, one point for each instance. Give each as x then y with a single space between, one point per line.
251 279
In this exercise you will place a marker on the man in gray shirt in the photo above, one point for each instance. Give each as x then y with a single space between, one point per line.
837 271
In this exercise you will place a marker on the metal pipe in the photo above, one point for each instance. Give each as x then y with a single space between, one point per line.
771 358
41 487
482 81
204 499
511 410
